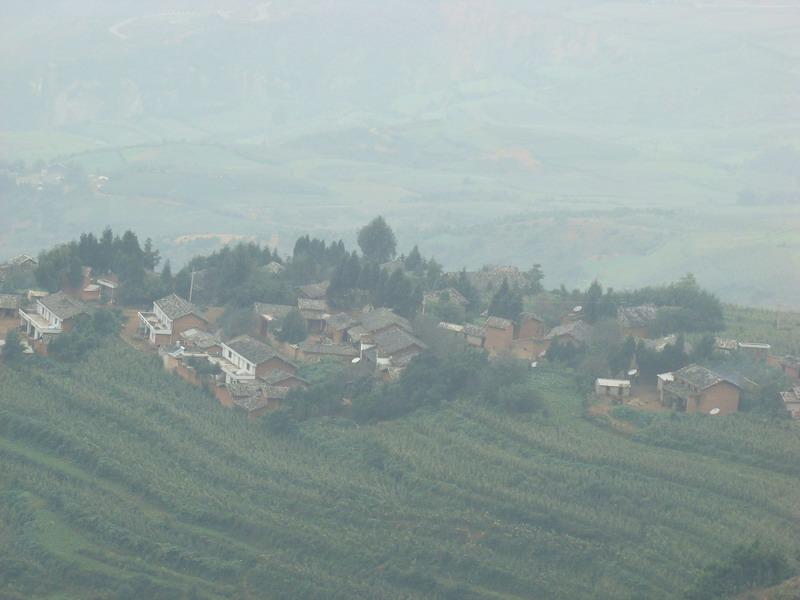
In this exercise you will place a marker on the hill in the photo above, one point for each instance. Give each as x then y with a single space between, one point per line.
120 481
605 139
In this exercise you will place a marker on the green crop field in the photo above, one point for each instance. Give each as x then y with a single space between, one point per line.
120 481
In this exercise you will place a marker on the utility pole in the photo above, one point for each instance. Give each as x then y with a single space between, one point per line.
191 286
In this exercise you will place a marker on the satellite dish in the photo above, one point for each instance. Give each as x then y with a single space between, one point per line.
714 411
577 309
356 360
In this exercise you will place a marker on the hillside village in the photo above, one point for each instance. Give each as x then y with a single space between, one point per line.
373 317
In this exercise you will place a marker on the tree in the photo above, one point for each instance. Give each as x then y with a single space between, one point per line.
13 349
377 241
414 261
535 277
293 330
506 303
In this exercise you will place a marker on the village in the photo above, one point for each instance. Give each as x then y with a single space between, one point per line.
256 370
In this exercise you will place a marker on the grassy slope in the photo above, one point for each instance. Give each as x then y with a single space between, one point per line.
113 474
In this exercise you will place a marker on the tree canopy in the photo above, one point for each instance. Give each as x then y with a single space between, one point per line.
377 241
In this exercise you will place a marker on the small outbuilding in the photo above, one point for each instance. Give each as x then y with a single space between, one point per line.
615 388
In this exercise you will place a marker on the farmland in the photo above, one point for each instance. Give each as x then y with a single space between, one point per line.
121 481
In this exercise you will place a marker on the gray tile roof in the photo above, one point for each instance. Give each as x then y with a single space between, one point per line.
381 318
700 377
637 316
62 305
474 331
252 350
277 377
449 294
578 330
312 305
499 323
176 307
9 301
340 321
275 311
395 340
200 338
315 291
328 349
531 316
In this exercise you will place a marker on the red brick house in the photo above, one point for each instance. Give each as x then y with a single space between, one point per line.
695 389
789 365
499 334
269 315
576 333
531 325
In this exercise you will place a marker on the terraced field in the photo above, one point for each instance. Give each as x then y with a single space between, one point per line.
119 481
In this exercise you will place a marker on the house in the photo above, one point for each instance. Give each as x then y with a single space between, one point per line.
789 365
108 287
336 327
52 315
269 315
282 378
314 312
450 295
9 305
396 343
576 333
313 351
475 335
314 291
21 263
252 396
203 341
637 320
171 316
531 325
380 319
499 334
755 350
615 388
791 400
697 389
251 359
91 292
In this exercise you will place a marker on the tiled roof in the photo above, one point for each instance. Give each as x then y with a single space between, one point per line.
315 291
449 294
381 318
329 349
274 311
531 316
792 396
499 323
176 307
9 301
340 321
62 305
312 305
395 340
637 316
200 338
474 331
699 377
251 349
578 330
276 377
